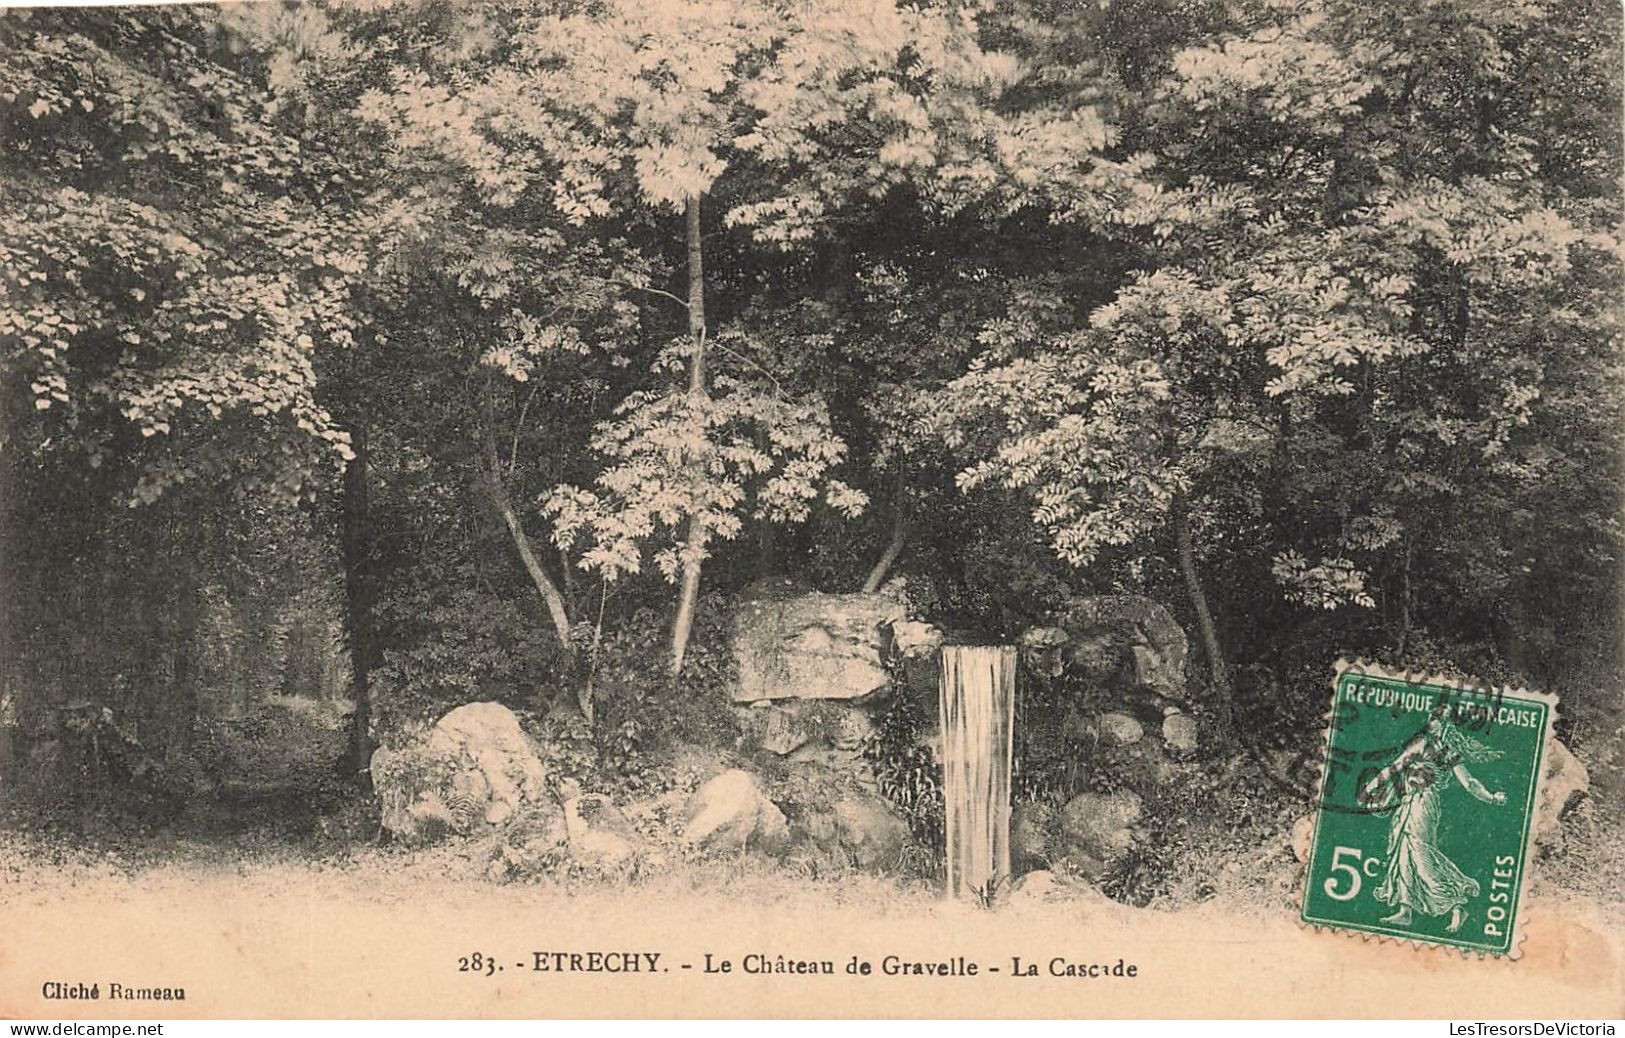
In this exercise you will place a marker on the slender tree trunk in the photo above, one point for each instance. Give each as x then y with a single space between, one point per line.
1405 603
186 648
694 545
767 549
899 536
497 491
877 576
1218 671
358 593
549 592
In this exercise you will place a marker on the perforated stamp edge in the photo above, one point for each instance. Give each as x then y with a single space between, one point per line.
1521 916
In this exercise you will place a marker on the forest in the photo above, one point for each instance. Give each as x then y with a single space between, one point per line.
452 427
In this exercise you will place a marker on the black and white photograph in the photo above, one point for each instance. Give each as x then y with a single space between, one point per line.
810 509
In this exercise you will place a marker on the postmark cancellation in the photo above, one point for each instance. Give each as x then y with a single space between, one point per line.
1425 809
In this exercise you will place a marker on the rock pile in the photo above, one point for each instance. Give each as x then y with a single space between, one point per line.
815 674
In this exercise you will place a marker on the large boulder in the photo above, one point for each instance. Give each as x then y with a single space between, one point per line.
1119 729
503 767
475 767
871 832
1030 825
814 646
731 814
1095 829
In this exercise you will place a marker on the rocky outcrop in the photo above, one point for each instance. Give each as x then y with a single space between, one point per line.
815 673
813 646
1113 640
868 829
731 814
1095 829
475 767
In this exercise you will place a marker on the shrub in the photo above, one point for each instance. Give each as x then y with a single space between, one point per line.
639 709
906 770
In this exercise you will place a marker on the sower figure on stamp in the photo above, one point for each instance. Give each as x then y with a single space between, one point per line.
1420 877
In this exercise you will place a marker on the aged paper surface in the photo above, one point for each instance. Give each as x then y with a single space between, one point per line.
243 948
525 509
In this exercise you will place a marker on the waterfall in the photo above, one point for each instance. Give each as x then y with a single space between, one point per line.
978 707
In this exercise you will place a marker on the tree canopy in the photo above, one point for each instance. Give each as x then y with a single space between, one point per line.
1299 314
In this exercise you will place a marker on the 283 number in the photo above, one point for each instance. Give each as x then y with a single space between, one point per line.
476 963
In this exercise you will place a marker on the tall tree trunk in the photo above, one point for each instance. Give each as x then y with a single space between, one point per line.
358 596
1218 671
497 491
694 545
1404 603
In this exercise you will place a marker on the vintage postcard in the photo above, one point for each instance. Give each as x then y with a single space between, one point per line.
540 509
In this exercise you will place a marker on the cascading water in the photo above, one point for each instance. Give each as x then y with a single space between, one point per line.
978 698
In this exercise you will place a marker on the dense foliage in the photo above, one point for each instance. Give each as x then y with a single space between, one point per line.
428 352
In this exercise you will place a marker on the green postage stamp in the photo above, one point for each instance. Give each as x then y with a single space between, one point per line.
1425 810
